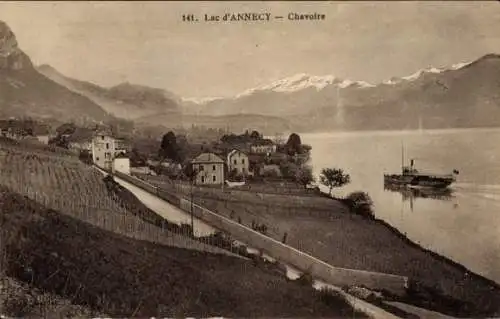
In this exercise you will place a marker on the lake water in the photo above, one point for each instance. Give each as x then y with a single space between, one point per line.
464 225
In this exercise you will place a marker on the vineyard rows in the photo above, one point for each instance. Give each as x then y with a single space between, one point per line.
71 187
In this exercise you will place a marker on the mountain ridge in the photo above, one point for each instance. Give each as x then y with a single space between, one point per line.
125 100
26 93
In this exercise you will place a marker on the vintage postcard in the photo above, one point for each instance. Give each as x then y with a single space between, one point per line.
267 159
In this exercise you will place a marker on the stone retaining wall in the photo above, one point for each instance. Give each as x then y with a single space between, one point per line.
284 253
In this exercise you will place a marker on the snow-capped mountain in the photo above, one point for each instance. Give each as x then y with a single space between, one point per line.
303 81
449 96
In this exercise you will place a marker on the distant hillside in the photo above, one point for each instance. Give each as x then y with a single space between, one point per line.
463 95
25 92
128 101
233 122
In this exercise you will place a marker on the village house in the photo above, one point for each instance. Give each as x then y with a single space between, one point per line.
237 162
209 168
105 148
265 146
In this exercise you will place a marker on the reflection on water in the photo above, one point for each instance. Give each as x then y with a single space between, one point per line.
410 194
415 192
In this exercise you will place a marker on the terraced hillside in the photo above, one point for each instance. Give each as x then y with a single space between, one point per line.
61 182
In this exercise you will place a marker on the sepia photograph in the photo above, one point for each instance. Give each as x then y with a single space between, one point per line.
250 159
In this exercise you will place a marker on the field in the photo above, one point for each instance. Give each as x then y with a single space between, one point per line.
123 277
326 229
61 182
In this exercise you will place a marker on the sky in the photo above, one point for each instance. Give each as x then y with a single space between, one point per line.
148 43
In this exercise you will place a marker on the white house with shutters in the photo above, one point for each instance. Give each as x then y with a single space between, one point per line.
105 148
209 169
237 162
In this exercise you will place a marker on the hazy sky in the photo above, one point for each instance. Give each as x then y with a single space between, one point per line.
147 43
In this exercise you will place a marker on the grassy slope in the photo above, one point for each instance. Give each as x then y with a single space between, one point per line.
66 257
125 277
21 300
323 229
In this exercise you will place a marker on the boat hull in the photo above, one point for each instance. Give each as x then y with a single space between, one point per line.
418 180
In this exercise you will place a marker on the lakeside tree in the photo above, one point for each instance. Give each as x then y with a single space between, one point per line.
293 144
334 177
304 176
360 203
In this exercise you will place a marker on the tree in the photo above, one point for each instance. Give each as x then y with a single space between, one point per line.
136 158
190 172
66 128
255 135
334 177
304 176
169 148
293 145
361 203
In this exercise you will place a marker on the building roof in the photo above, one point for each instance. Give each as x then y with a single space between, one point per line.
263 142
234 151
207 158
81 135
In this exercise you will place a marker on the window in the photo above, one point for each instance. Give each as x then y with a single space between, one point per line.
235 162
214 178
243 161
107 146
201 167
97 158
213 168
102 137
203 179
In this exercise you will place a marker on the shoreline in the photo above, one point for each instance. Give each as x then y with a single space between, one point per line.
434 254
438 256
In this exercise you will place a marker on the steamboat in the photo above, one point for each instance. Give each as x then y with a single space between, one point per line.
411 177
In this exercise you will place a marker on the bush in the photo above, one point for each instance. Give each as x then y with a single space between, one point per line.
305 279
330 297
360 203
